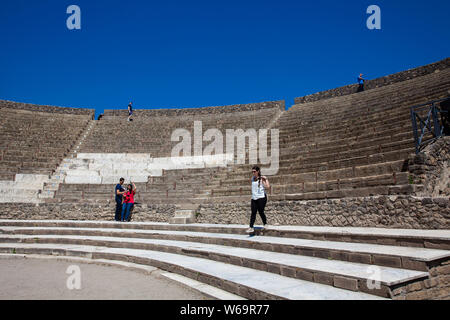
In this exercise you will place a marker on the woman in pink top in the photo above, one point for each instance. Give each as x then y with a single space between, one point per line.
128 201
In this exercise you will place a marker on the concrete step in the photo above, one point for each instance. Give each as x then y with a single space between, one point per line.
243 281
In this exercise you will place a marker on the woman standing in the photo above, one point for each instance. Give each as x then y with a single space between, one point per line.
259 197
128 201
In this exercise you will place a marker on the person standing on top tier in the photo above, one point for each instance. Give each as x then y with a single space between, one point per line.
130 110
361 82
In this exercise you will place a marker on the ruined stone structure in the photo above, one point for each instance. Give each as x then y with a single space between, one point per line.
349 191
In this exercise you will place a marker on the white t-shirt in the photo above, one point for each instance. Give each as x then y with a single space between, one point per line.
257 192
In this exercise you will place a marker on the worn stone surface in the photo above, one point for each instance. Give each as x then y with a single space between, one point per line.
43 108
198 111
70 211
437 287
376 83
431 168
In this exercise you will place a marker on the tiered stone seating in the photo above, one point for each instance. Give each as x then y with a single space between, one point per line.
349 146
149 136
34 142
92 176
378 82
287 263
151 130
349 154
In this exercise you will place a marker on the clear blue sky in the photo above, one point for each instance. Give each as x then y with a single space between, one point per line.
205 53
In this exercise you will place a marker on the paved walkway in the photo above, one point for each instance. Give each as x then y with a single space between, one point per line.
43 279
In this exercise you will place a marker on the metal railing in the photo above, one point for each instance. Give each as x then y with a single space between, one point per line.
430 117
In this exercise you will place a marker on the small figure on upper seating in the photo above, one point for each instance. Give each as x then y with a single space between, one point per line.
361 81
130 111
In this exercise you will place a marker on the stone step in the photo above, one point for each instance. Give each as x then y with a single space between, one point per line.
411 258
244 195
386 94
353 275
368 148
302 134
380 116
242 177
305 166
288 187
183 216
412 89
433 239
242 281
46 194
381 142
187 207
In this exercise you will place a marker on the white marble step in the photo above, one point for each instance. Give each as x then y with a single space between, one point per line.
387 276
280 286
416 253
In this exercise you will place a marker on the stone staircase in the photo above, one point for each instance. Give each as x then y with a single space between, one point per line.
49 189
288 262
33 145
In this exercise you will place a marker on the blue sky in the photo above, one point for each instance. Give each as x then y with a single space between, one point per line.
162 54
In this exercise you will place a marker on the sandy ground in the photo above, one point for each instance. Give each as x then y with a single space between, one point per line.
41 279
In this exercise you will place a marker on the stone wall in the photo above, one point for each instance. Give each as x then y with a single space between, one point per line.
51 109
199 111
436 287
383 211
431 168
376 83
406 212
71 211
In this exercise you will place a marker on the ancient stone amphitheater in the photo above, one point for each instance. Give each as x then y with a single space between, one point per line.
354 212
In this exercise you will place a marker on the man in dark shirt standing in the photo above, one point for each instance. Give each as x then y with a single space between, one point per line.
119 191
130 111
361 82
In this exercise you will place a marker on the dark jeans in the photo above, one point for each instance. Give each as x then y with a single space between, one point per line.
126 208
360 87
118 210
258 206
